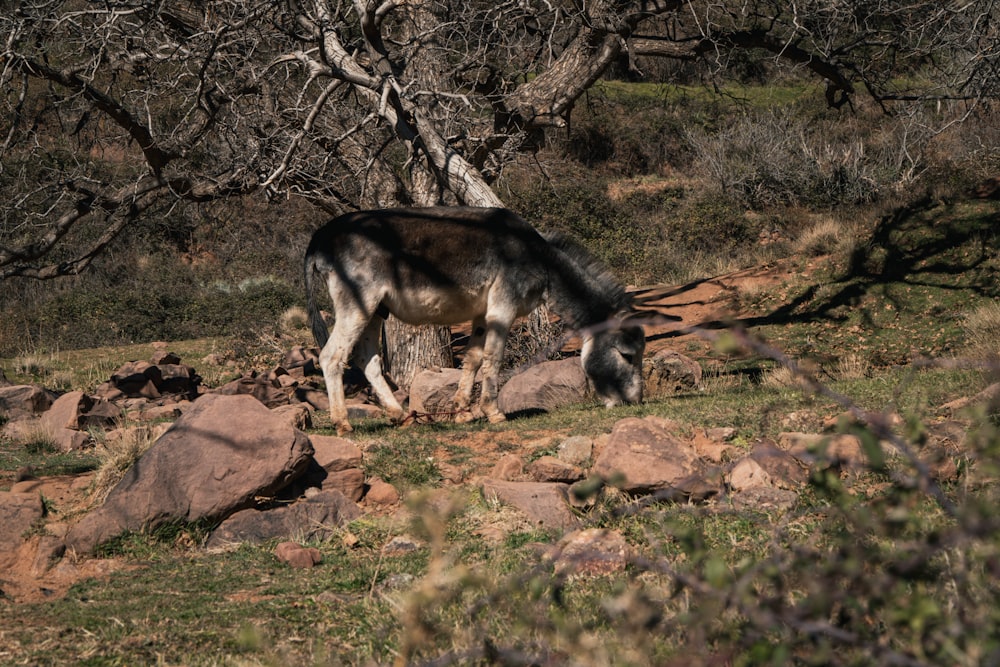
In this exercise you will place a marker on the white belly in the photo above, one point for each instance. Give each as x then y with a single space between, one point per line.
437 305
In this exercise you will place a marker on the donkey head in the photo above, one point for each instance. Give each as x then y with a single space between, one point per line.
612 359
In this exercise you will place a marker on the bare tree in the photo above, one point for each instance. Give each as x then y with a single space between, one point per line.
116 111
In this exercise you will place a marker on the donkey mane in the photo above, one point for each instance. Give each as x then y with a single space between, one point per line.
577 272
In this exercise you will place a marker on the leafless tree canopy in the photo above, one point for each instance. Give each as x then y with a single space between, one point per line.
118 110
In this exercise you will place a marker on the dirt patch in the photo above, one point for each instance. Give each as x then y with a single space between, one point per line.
703 302
37 570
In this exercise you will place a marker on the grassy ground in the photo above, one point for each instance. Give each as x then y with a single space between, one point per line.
865 568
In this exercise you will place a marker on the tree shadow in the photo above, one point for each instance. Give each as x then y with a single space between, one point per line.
928 243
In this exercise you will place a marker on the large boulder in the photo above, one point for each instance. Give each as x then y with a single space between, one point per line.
643 456
218 456
23 400
545 387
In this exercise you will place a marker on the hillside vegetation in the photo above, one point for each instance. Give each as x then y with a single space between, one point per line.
665 183
884 309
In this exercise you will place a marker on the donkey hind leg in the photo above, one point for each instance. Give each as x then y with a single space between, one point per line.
496 340
470 366
333 360
368 358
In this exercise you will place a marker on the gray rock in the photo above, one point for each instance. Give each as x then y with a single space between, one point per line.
668 372
545 387
315 518
23 400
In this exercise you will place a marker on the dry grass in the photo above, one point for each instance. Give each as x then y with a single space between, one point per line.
294 318
982 330
34 435
780 377
117 451
852 367
824 237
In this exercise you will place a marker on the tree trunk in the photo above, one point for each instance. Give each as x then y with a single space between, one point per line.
409 350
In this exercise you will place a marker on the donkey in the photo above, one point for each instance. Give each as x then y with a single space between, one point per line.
446 265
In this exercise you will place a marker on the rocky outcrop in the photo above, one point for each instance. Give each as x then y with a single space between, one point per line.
201 468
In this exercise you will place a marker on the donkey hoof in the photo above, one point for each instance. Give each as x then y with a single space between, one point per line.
343 428
497 417
465 417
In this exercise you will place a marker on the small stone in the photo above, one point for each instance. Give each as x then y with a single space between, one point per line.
381 493
298 556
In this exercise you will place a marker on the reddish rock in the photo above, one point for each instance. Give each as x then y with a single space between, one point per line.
576 450
23 400
433 391
178 379
297 556
18 513
161 357
748 473
302 358
350 482
334 453
545 504
824 450
297 415
764 498
668 372
642 456
265 390
510 467
711 449
67 410
215 459
381 493
591 551
551 469
783 469
138 379
318 517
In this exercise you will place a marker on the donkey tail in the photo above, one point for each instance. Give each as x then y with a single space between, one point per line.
316 323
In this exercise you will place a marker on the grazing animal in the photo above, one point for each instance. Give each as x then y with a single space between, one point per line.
446 265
